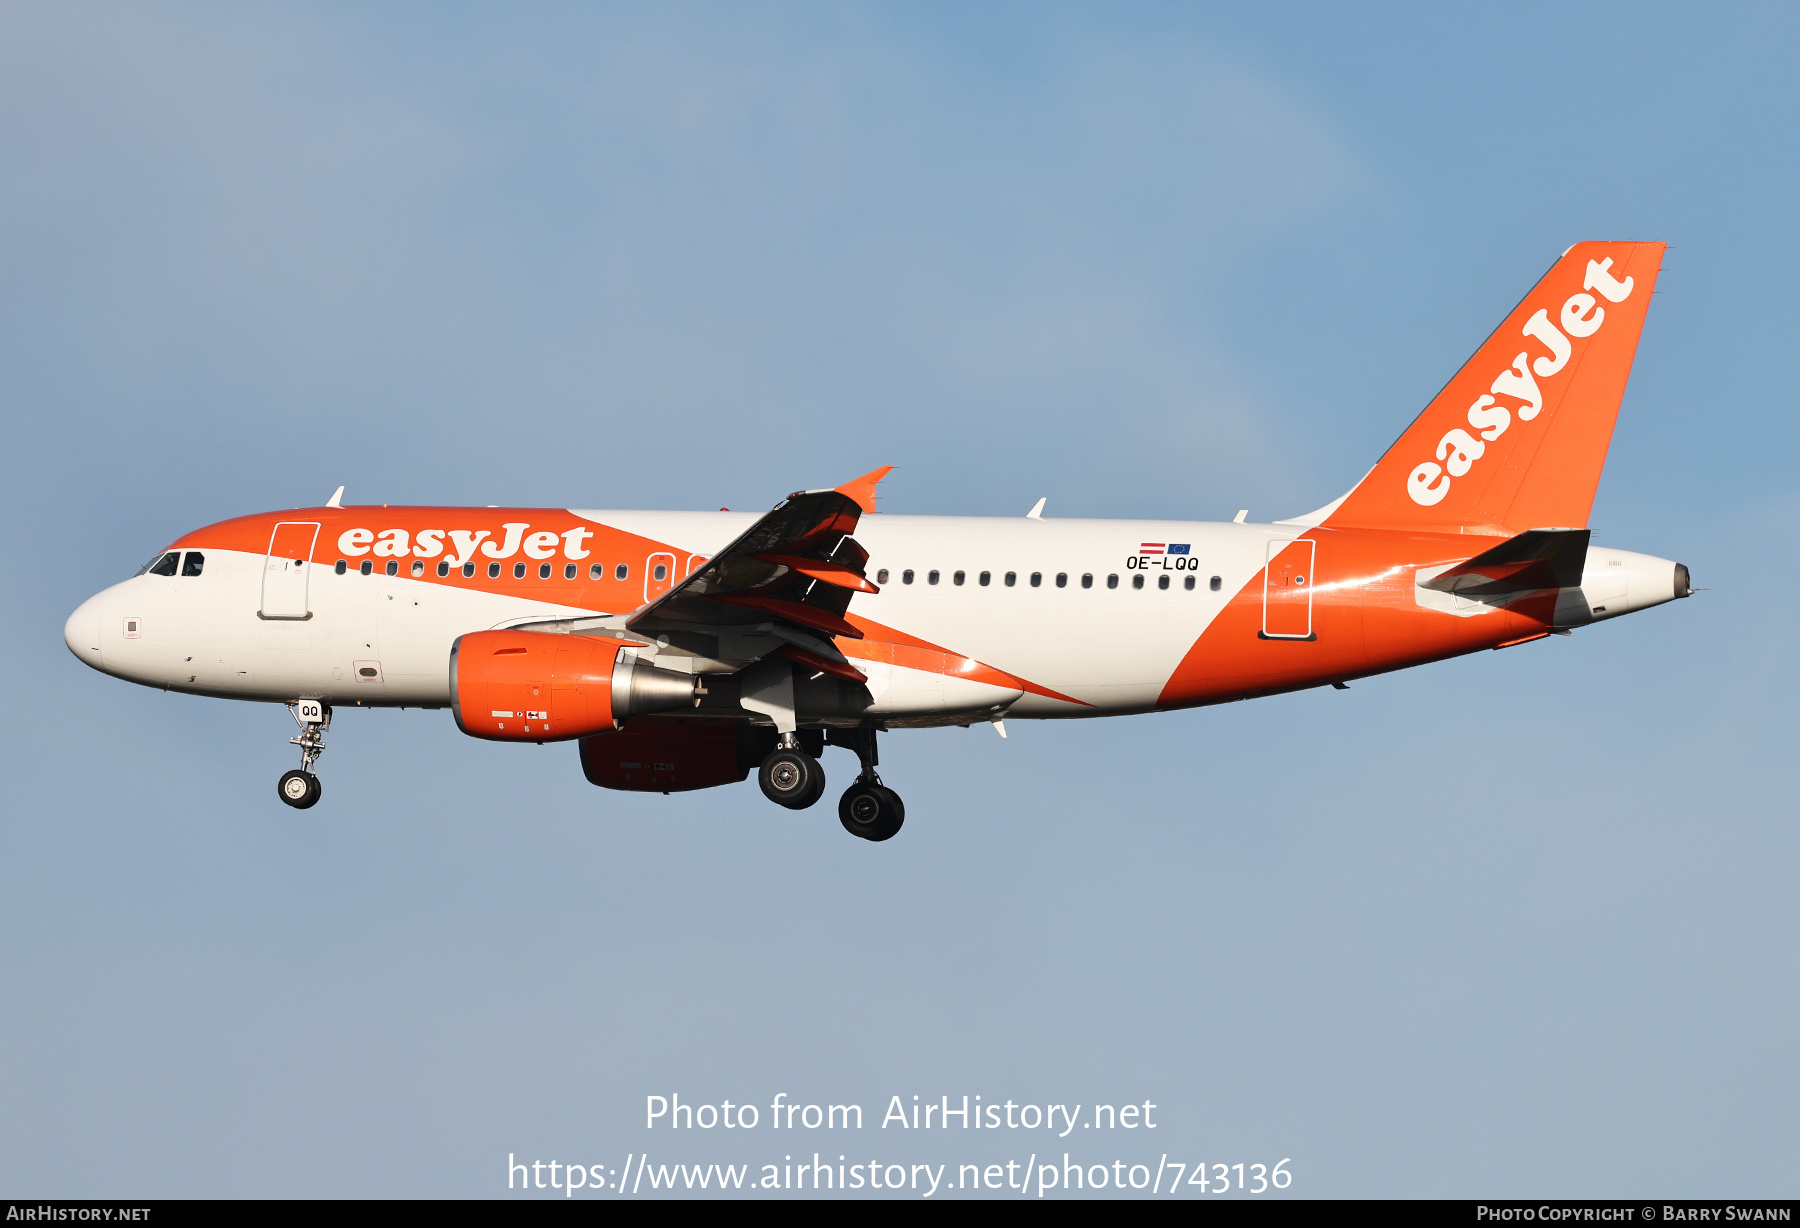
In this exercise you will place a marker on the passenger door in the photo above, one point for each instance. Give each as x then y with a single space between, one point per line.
1287 591
286 568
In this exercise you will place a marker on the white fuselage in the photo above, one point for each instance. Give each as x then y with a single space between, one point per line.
1111 647
1098 626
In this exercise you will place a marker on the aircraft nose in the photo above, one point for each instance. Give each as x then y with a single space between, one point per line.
82 632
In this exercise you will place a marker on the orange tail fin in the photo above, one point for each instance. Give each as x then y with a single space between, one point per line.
1518 438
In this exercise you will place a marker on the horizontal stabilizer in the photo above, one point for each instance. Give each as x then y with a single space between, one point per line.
1536 558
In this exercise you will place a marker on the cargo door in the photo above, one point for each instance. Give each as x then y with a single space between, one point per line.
286 569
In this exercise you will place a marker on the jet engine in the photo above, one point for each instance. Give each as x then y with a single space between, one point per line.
533 686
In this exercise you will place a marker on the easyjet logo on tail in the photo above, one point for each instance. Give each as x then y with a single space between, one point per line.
1458 450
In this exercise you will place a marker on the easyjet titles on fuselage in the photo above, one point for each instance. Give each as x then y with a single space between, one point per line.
430 543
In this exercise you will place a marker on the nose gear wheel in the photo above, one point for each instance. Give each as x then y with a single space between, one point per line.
298 789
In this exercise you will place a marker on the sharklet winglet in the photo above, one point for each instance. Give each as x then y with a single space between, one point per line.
863 489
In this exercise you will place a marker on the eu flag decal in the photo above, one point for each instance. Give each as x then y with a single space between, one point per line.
1178 547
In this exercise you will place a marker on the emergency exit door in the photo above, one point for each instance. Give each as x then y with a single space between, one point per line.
286 570
1287 591
659 575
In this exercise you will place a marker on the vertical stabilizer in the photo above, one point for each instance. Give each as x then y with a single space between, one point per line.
1517 440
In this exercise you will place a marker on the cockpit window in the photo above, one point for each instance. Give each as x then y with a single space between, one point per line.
191 565
163 566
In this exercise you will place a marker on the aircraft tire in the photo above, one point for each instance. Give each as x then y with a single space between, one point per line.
871 812
818 787
791 778
299 789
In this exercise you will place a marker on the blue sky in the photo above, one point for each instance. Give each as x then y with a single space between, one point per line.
1516 924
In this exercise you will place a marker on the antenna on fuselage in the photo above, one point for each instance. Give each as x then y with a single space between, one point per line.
1037 511
336 500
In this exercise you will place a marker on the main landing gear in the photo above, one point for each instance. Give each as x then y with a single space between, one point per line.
789 776
871 810
301 789
793 778
868 809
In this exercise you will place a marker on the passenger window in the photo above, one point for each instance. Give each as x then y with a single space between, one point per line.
1137 581
1188 584
418 568
660 572
543 571
1037 579
881 576
569 571
1012 578
341 567
367 568
622 572
468 571
1062 579
957 578
443 569
931 577
393 568
518 571
165 566
1087 580
1215 584
906 577
1162 582
1112 581
192 562
596 571
493 571
985 577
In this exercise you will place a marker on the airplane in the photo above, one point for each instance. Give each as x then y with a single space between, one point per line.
681 650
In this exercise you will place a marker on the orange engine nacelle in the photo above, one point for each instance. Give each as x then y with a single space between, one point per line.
674 754
534 686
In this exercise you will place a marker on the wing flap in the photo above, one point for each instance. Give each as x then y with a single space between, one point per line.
835 574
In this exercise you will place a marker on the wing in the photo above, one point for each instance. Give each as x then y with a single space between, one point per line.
783 586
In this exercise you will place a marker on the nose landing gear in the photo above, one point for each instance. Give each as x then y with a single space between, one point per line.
301 789
869 809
